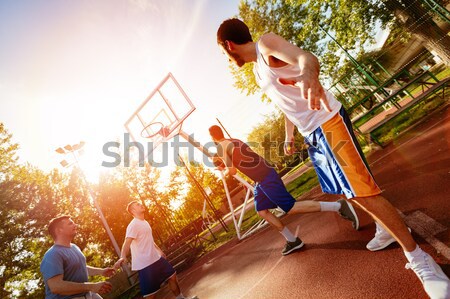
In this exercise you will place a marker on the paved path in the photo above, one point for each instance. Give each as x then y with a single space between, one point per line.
414 173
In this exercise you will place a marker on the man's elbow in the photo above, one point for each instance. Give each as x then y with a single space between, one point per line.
56 289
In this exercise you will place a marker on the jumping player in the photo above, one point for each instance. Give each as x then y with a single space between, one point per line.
290 77
269 190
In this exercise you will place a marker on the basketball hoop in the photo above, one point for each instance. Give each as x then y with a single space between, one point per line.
157 127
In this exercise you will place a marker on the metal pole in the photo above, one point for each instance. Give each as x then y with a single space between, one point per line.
439 9
353 60
205 196
97 207
229 136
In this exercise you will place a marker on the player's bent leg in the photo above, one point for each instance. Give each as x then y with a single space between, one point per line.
271 219
292 242
173 284
381 240
175 288
435 282
343 207
383 212
305 206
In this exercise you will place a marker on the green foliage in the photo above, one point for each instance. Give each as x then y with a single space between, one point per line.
305 24
267 139
303 183
199 177
326 27
8 151
399 124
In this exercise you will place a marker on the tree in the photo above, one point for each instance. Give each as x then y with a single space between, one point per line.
8 152
416 18
29 198
28 202
267 139
352 24
194 200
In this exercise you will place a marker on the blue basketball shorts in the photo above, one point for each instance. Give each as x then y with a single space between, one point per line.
271 193
152 276
338 159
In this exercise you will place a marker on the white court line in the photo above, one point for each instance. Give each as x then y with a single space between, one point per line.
262 278
427 227
270 271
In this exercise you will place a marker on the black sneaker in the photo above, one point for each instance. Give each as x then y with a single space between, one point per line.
291 246
348 212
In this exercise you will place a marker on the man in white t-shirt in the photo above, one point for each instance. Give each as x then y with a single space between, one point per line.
147 258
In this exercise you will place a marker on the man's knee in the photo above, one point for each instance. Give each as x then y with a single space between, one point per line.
263 213
173 278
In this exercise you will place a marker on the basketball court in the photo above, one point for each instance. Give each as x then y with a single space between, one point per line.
414 173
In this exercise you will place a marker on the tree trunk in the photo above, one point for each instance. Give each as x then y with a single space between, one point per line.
415 19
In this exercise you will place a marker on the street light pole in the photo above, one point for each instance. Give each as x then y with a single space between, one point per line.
72 150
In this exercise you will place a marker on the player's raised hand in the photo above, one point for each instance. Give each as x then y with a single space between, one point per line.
118 264
289 147
310 89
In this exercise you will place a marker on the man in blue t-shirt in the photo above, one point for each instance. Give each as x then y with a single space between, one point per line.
64 266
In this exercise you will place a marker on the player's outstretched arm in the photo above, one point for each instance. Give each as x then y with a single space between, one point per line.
62 287
108 272
124 253
272 45
289 147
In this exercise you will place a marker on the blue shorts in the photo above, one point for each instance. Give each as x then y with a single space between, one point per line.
338 159
152 276
271 193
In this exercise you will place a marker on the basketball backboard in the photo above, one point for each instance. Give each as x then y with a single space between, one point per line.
167 106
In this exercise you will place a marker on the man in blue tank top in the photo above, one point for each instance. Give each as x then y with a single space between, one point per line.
269 191
289 75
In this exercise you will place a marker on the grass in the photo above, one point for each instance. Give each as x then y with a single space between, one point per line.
303 183
405 120
222 236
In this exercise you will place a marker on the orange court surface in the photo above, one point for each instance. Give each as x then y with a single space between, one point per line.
414 174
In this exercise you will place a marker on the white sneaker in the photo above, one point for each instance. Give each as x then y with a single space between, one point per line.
381 240
434 280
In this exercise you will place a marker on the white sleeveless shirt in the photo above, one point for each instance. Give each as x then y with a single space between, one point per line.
289 98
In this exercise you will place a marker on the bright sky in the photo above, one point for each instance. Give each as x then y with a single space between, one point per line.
77 70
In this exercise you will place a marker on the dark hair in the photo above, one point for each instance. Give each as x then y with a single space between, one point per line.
216 132
233 30
130 204
54 224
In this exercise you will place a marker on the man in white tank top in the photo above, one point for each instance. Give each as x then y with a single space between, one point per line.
290 77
